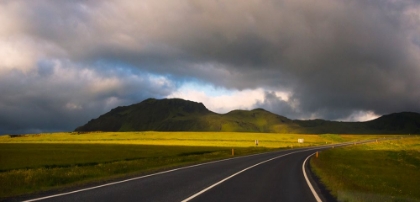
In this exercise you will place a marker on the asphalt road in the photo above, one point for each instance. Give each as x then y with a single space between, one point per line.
275 176
277 180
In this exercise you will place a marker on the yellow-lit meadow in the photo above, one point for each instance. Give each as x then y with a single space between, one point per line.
217 139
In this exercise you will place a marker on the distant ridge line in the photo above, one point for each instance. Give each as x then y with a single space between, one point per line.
183 115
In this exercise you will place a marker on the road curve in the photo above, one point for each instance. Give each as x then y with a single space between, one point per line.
274 176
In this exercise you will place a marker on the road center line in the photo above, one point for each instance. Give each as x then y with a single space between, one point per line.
239 172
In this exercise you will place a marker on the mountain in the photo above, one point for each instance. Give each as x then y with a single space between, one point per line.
183 115
152 114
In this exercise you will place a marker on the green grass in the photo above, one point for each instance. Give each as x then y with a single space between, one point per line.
384 171
34 163
16 156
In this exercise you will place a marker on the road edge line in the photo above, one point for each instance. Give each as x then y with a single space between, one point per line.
317 198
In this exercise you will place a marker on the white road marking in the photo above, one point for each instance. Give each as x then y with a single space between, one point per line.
221 181
308 182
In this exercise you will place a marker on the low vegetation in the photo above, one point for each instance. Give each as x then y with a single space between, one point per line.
33 163
383 171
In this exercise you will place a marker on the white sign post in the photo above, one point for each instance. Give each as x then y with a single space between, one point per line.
300 140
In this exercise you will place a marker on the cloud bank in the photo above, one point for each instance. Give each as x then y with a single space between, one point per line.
66 62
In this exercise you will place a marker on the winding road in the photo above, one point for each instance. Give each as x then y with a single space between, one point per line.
273 176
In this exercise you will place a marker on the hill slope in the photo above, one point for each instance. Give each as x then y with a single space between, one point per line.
182 115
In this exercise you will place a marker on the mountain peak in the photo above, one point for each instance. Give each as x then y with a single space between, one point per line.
259 109
175 103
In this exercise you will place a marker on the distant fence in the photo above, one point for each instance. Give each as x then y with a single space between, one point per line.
86 132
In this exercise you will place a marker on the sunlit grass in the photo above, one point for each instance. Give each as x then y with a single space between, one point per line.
219 139
383 171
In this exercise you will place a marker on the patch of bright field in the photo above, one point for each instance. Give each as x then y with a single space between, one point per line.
218 139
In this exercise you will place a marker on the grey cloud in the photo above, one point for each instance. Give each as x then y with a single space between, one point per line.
335 57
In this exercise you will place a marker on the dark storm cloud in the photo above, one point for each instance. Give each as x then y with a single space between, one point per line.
335 58
57 97
278 105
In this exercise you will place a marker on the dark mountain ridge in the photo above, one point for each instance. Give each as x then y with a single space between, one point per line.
182 115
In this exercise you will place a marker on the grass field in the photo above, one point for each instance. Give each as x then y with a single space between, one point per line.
33 163
383 171
218 139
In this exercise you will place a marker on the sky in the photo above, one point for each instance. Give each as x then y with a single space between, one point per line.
63 63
